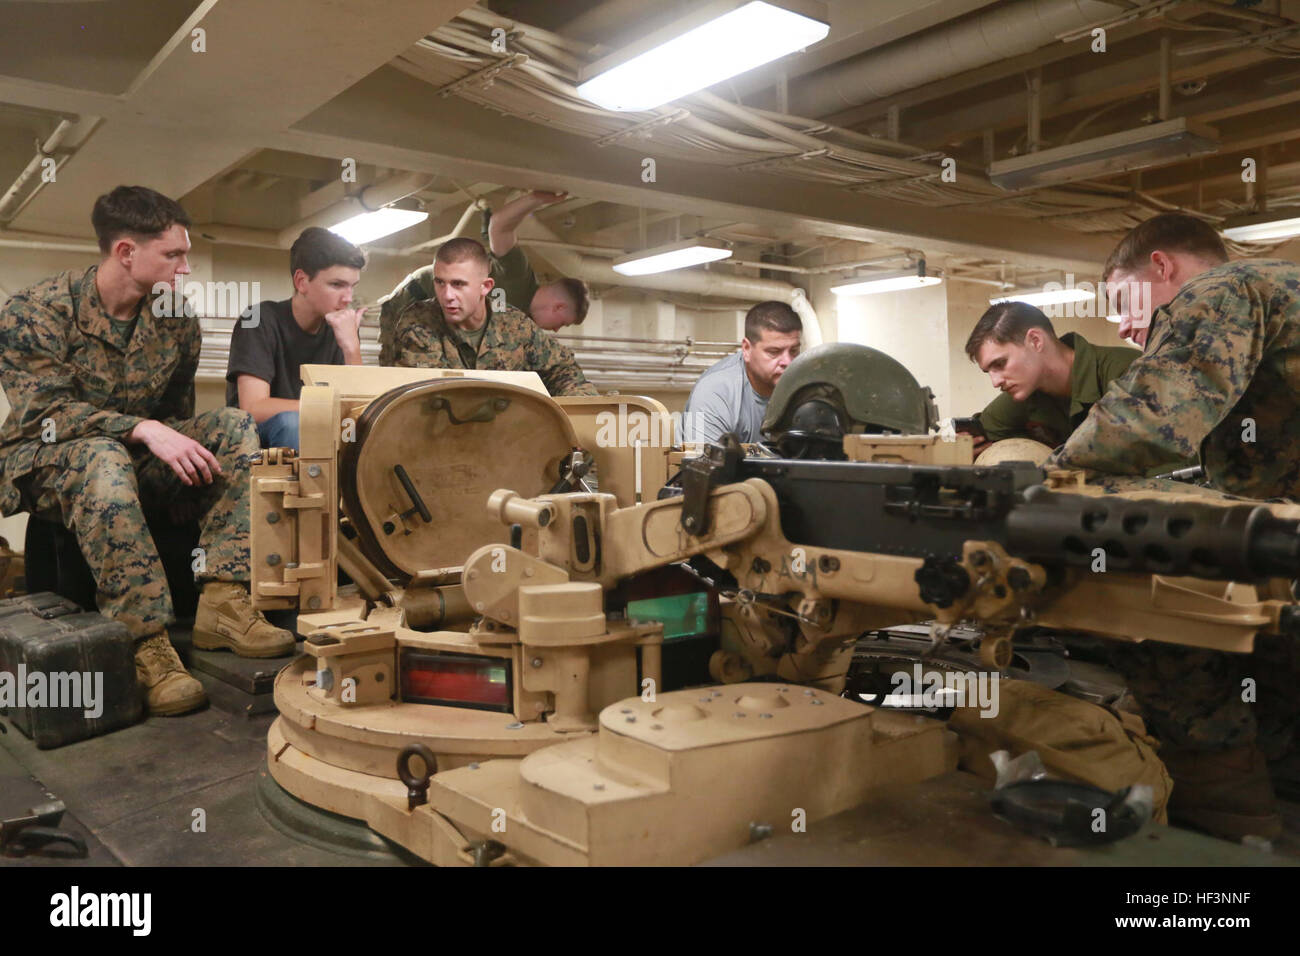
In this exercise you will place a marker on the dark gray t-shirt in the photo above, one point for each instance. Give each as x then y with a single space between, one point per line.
274 348
723 401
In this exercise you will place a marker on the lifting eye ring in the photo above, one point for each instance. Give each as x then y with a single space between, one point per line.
417 787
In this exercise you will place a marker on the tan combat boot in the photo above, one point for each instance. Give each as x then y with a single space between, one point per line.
1226 793
226 619
169 689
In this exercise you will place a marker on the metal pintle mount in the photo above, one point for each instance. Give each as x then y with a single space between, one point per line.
717 466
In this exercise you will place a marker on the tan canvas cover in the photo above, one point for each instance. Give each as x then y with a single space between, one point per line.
1076 739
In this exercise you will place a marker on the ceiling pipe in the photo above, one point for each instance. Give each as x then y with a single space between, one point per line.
825 270
812 328
422 248
566 262
574 246
238 235
43 152
7 242
993 282
691 281
698 282
999 34
224 235
369 199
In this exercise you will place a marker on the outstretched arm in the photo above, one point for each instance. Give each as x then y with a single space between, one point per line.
504 225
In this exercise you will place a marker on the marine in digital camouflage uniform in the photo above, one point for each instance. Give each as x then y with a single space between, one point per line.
1222 361
510 343
515 285
78 382
1219 380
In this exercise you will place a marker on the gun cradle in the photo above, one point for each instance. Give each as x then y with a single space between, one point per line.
836 594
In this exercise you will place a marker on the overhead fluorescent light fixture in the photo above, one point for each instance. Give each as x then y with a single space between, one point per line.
1048 297
887 282
1106 155
1261 227
369 226
677 255
717 41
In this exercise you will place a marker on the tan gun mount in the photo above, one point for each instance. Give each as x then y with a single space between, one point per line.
581 758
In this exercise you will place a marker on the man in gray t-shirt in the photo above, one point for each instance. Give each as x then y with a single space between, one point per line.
732 395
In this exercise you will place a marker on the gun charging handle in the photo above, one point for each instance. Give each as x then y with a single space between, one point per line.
510 508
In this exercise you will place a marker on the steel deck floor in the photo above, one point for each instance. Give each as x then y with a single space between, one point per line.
132 795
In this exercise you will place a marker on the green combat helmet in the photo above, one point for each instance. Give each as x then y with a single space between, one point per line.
838 389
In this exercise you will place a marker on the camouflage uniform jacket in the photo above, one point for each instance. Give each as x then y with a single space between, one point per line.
1220 378
512 274
511 343
71 371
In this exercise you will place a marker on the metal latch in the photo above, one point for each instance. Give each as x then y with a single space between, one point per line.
289 488
573 468
717 466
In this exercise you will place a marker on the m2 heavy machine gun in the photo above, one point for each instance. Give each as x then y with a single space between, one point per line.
488 690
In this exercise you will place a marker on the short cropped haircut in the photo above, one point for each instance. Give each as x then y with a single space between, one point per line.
1168 232
575 290
137 212
1007 322
460 250
316 249
771 316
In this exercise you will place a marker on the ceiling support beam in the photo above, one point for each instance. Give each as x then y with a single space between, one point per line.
196 113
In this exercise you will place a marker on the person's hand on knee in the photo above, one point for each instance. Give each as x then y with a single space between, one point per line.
191 462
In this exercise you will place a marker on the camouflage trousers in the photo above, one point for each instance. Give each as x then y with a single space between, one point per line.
1197 699
94 487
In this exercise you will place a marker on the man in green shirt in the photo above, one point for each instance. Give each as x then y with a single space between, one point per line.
551 306
1048 384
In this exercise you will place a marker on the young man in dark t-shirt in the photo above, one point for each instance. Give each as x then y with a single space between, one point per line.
315 327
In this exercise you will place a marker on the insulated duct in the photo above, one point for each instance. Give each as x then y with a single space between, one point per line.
691 281
430 246
699 282
999 34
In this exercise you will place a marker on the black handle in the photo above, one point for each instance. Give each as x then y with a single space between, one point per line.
414 495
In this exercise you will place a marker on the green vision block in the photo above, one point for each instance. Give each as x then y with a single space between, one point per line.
682 615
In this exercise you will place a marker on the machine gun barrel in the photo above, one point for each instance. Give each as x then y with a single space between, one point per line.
924 510
1235 542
